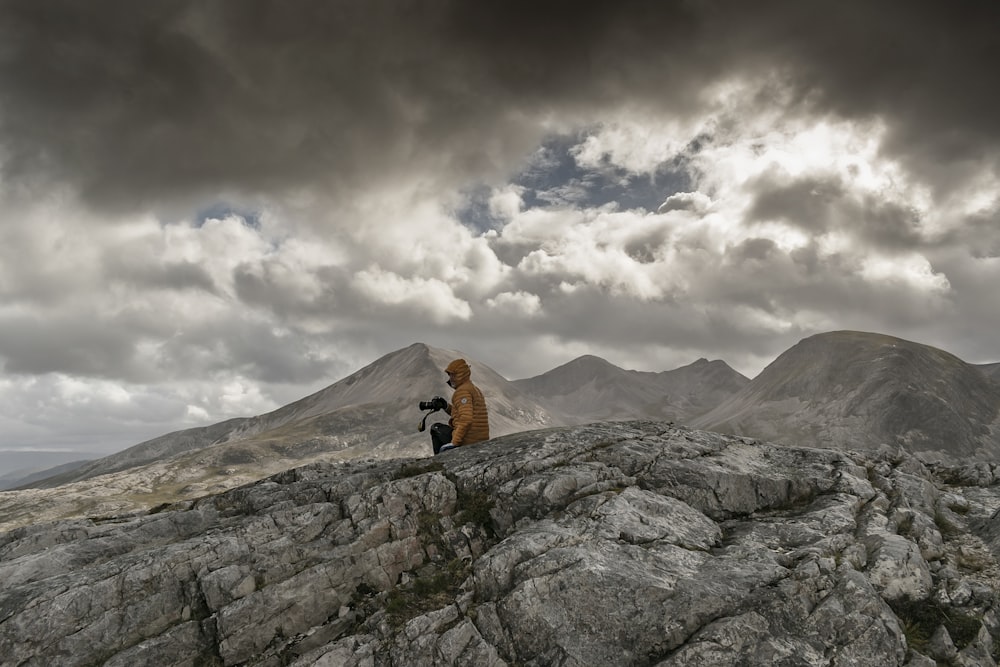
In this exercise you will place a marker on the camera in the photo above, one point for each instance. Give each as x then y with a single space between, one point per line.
436 403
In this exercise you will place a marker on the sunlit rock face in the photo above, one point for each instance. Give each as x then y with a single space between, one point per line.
629 543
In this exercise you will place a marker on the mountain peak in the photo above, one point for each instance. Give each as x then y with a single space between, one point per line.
581 371
852 389
590 388
372 412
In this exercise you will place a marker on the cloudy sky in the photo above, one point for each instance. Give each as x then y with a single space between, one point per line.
210 209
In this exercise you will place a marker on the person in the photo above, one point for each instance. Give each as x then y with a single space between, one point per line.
470 422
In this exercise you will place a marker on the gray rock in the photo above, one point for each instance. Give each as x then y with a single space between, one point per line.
941 647
635 543
897 568
920 660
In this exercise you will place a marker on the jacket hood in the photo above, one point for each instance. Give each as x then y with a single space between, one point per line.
460 370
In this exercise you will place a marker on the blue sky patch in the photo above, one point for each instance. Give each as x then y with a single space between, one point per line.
221 210
553 178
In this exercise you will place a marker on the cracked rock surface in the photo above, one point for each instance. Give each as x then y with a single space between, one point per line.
632 543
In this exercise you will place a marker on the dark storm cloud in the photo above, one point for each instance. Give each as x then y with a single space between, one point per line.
590 319
256 286
168 275
254 349
140 102
923 66
804 202
95 346
136 102
980 234
818 206
759 274
67 344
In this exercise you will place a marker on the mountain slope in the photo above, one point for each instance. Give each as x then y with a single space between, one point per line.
155 449
372 413
692 390
589 388
19 465
992 370
23 478
849 389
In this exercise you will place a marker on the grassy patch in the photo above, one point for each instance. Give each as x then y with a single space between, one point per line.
416 469
960 510
426 593
428 525
162 493
920 618
162 507
972 560
905 525
475 508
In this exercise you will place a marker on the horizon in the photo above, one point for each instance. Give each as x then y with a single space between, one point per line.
215 210
96 453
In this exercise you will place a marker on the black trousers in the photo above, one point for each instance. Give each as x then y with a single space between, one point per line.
440 436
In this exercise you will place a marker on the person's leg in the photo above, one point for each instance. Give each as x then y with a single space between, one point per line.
440 436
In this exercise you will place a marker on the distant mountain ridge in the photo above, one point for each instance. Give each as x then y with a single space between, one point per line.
847 390
373 410
39 465
591 389
857 390
376 407
371 414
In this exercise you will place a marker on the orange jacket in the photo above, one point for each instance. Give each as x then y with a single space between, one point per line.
470 420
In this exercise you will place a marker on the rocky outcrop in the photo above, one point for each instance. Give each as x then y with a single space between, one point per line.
637 543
